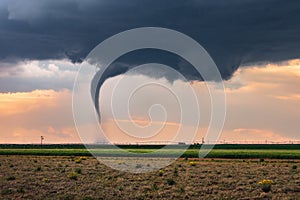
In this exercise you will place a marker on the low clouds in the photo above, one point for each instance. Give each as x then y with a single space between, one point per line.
38 75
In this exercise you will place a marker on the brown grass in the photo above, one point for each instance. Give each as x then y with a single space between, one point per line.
208 179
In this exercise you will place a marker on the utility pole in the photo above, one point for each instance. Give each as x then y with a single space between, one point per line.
42 138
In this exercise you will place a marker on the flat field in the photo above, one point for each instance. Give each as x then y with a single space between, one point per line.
190 153
74 177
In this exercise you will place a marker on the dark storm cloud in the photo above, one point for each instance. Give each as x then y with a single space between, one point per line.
232 31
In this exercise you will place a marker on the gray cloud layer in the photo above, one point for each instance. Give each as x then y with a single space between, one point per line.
233 32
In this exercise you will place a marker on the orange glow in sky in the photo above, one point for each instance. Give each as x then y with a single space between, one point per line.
263 104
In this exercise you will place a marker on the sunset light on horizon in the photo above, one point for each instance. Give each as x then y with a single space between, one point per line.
262 104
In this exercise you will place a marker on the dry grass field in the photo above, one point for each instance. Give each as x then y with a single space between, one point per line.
58 177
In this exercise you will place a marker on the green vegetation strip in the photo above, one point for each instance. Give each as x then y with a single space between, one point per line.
190 153
146 146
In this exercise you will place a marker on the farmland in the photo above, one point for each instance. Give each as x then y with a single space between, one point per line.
70 172
219 151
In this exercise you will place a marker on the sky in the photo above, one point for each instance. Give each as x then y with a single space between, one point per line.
255 45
